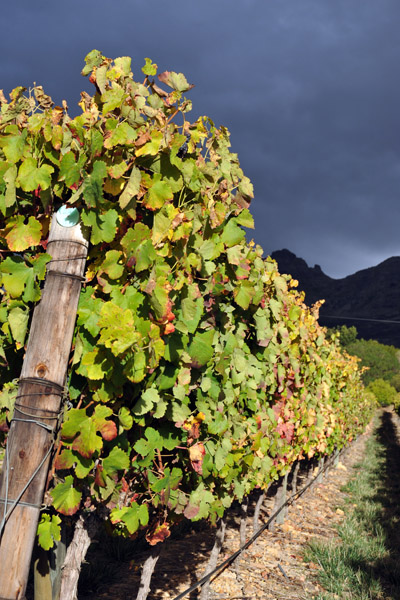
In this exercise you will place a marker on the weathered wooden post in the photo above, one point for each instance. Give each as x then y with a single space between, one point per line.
36 416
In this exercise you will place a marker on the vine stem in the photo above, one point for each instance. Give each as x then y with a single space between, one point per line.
147 571
257 510
212 561
85 530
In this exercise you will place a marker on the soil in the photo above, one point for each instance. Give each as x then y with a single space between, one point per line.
271 569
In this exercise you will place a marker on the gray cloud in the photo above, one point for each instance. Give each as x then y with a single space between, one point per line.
309 90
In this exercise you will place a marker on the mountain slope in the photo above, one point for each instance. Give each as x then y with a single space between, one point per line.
372 293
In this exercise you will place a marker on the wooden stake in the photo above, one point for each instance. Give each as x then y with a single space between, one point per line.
33 428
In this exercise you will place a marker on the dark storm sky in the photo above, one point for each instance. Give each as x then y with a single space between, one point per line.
309 89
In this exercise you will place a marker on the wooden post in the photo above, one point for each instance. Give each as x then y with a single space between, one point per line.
36 416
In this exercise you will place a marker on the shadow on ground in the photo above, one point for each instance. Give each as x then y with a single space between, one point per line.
386 477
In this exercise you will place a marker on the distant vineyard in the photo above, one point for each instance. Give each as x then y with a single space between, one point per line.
198 373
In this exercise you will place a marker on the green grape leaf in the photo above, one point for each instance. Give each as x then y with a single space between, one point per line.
30 176
23 235
113 99
131 189
175 80
153 440
170 480
66 499
111 266
73 422
244 293
125 418
14 146
70 171
83 466
87 442
123 65
93 59
107 428
132 516
10 177
49 531
18 320
158 195
17 278
246 187
95 364
104 226
117 460
201 349
146 402
149 68
89 311
151 148
232 234
65 459
123 133
245 218
117 328
93 184
192 311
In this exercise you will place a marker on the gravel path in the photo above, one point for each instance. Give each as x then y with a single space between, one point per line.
272 569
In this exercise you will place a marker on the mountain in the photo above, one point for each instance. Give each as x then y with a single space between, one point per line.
372 293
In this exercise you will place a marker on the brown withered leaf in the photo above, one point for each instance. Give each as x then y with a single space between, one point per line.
158 534
159 91
196 455
44 100
57 115
142 139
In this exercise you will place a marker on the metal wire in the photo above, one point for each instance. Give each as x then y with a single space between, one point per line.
69 242
7 513
70 275
83 256
59 391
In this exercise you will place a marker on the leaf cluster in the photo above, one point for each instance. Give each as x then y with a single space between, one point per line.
198 373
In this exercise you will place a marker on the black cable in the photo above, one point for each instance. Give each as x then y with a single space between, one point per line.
79 257
42 381
359 319
70 275
69 242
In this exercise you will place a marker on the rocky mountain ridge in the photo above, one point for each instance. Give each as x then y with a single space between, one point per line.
372 294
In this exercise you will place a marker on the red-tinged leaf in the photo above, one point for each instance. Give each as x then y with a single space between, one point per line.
109 431
66 498
106 428
286 430
100 477
65 460
196 455
159 534
175 80
88 441
23 235
191 511
169 328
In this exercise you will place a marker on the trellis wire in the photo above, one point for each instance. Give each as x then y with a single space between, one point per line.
221 567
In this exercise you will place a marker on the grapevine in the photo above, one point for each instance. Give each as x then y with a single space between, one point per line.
198 373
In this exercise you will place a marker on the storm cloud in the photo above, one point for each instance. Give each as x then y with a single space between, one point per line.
309 90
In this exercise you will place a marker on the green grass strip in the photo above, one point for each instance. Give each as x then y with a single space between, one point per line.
364 563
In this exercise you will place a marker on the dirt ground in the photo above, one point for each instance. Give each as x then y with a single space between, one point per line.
270 569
